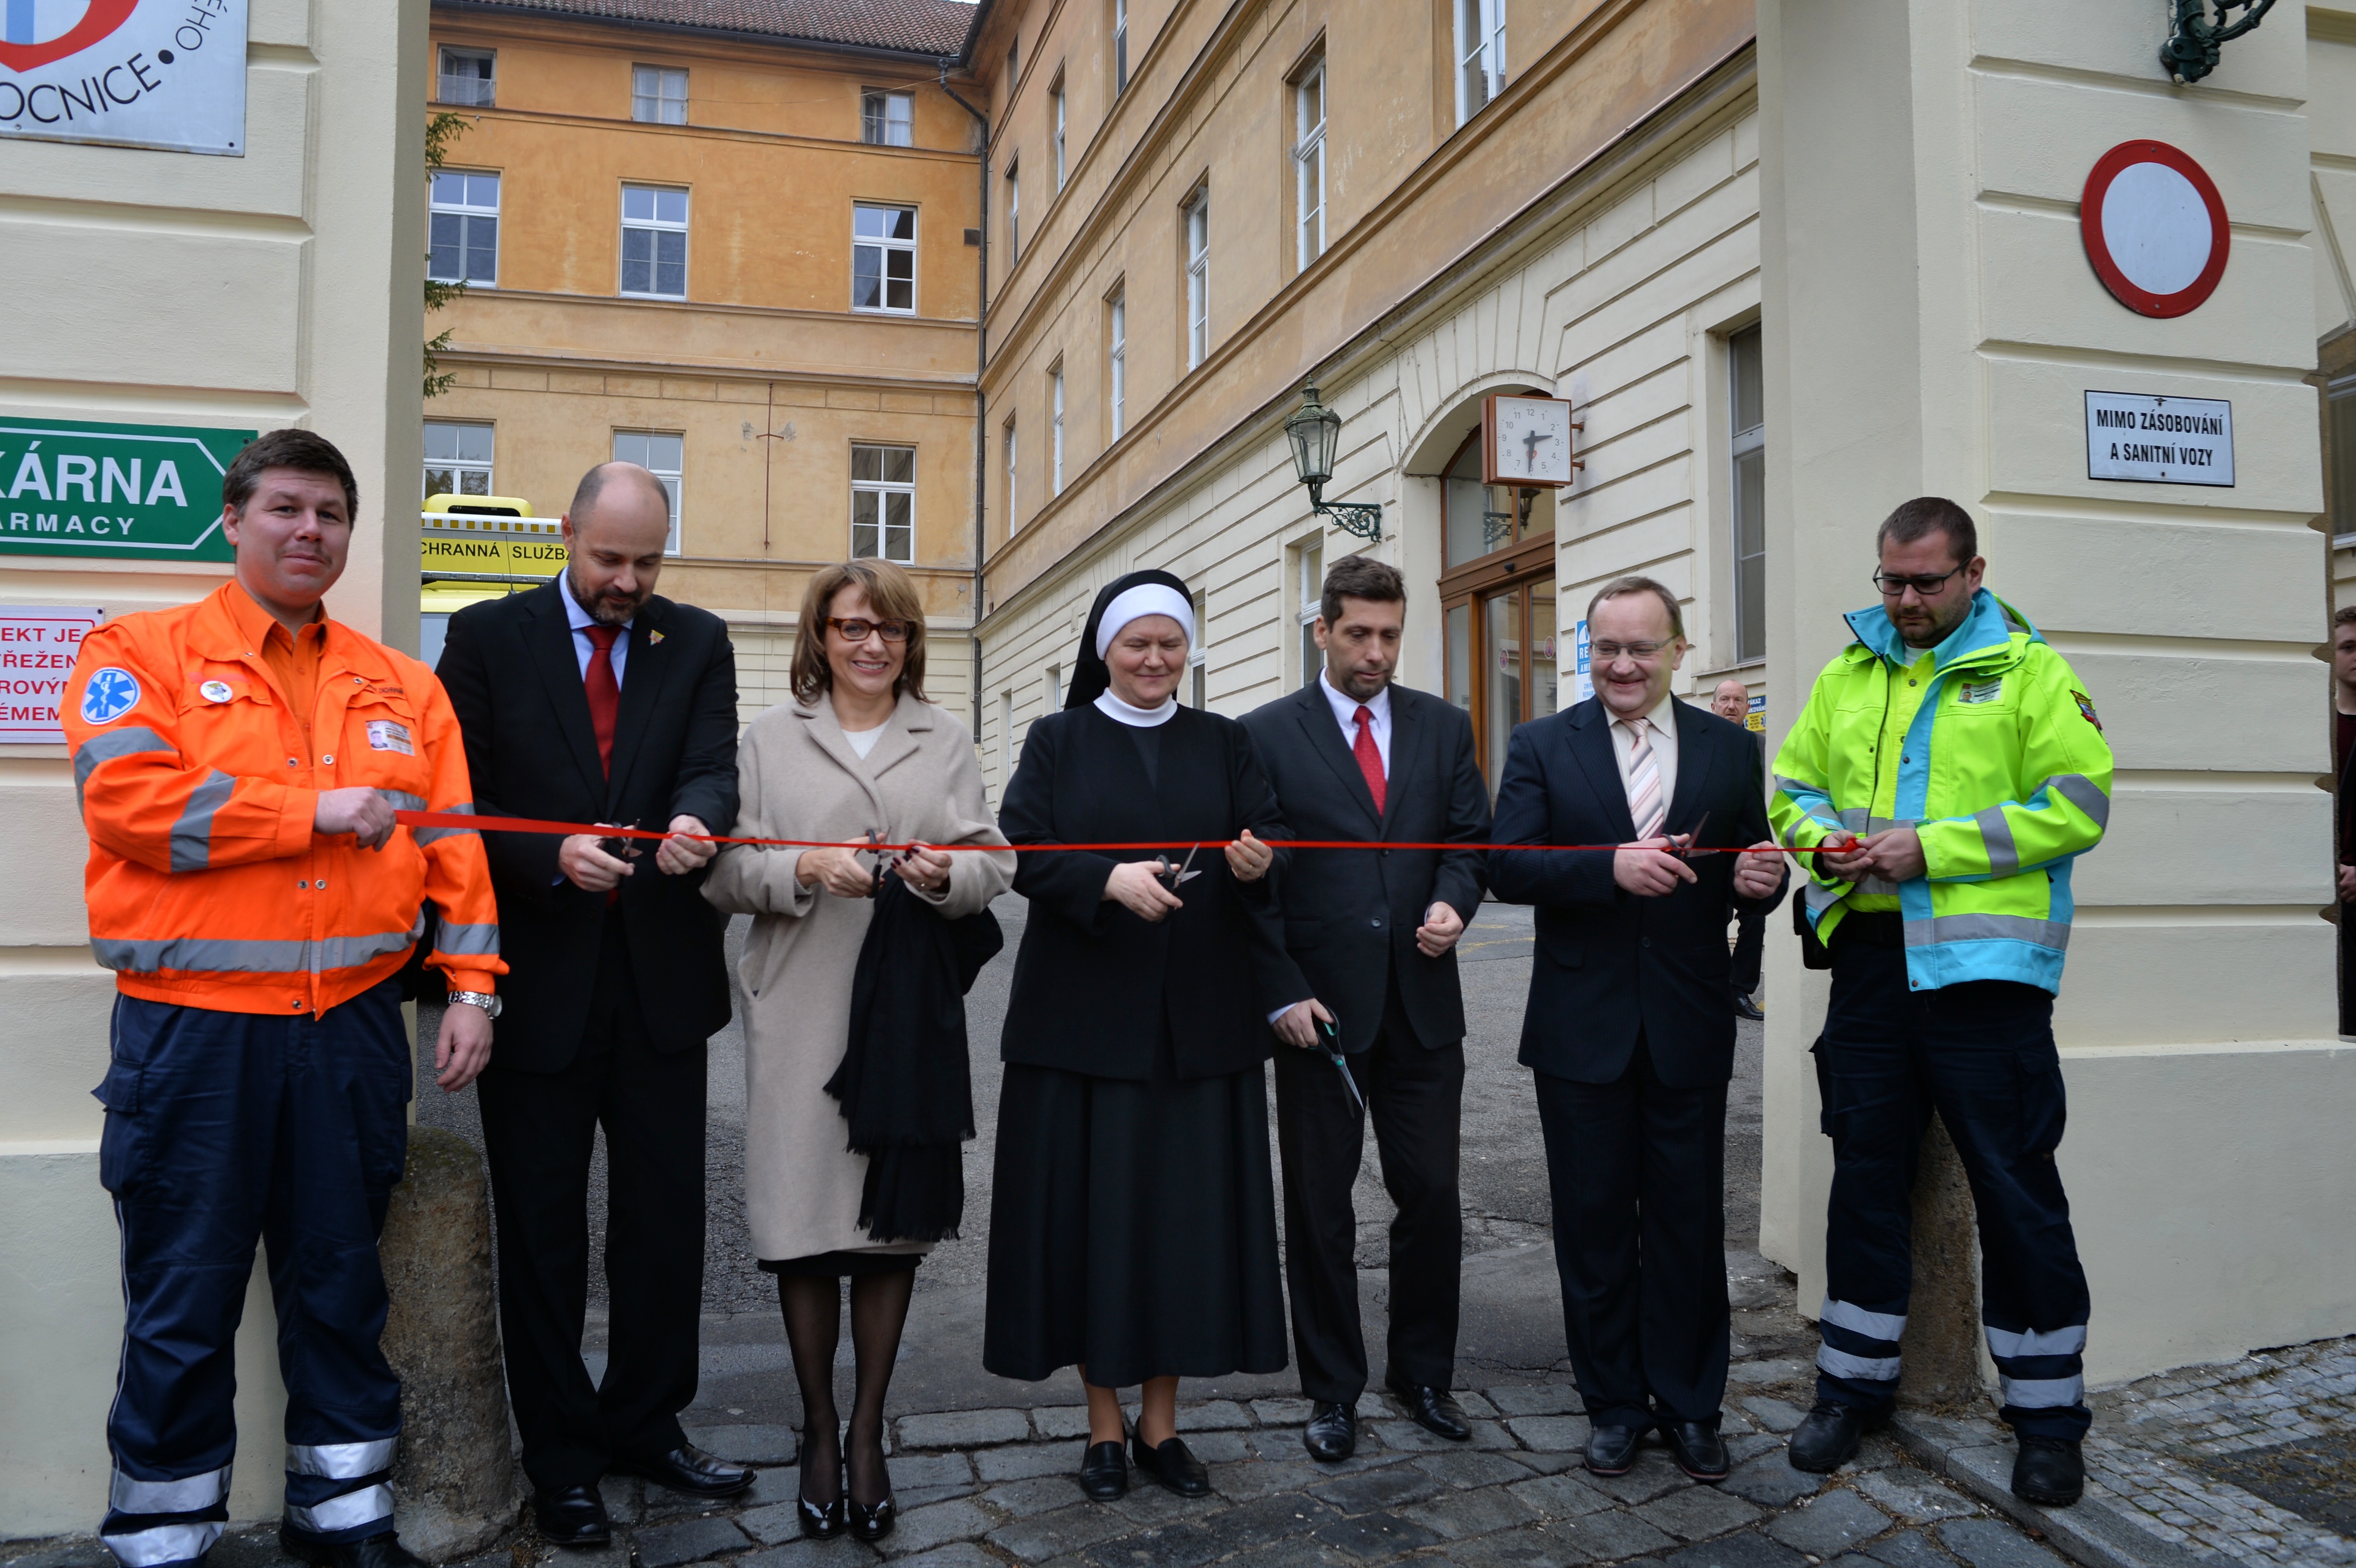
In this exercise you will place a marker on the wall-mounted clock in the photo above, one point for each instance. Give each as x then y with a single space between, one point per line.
1525 441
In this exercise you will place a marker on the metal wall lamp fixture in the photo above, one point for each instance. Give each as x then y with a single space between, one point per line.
2193 49
1315 431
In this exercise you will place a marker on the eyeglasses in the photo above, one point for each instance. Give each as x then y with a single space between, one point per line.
1607 652
860 631
1893 585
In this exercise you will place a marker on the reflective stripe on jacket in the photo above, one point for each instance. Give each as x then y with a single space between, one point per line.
206 884
1989 746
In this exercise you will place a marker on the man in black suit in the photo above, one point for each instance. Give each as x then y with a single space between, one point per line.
1630 1027
1370 939
593 701
1731 702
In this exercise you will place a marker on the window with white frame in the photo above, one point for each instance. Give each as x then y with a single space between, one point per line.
1311 563
1116 360
457 459
883 503
1056 107
1051 689
1747 492
469 76
654 242
1199 680
1011 491
463 228
1056 429
1480 55
1005 740
1198 279
883 258
660 453
1309 160
1119 47
887 119
658 95
1013 214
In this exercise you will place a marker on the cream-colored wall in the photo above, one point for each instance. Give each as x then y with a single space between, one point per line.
1931 324
277 288
2331 140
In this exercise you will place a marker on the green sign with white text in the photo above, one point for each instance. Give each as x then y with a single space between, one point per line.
147 492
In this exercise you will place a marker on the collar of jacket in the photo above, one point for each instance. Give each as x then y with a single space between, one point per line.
214 634
1993 634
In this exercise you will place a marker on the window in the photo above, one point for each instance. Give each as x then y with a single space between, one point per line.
883 258
658 95
1309 160
1005 740
658 453
887 119
2338 457
1119 47
1011 491
1198 682
1056 429
1116 360
1497 603
1051 689
1747 493
1013 215
463 228
1055 98
1311 558
883 503
1013 65
1198 279
1480 55
457 459
469 76
654 242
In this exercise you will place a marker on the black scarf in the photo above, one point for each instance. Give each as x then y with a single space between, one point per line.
1091 678
905 1084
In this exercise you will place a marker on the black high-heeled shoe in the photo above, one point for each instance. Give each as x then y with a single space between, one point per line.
871 1521
820 1522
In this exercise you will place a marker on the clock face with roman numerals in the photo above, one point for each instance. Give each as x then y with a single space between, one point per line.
1526 441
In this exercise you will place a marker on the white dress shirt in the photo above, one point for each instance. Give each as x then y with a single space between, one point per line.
1345 713
1663 737
582 646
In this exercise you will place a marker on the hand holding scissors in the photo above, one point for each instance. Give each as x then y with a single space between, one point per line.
1136 886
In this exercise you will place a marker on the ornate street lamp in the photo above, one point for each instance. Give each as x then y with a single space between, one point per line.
2193 49
1315 431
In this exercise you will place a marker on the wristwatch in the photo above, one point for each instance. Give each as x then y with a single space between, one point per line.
490 1004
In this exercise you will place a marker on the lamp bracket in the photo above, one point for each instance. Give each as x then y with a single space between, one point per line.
2197 43
1364 520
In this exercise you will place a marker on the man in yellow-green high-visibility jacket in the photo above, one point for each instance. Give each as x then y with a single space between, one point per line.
1953 768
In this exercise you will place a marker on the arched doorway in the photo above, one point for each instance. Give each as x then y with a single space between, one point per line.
1497 601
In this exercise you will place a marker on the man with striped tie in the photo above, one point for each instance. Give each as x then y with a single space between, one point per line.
1630 1028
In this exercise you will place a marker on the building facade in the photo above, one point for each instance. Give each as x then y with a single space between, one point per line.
743 254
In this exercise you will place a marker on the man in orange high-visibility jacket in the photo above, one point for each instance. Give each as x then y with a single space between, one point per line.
239 762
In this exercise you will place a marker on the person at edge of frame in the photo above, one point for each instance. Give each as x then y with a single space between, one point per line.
2343 740
1731 702
257 917
1354 756
1952 769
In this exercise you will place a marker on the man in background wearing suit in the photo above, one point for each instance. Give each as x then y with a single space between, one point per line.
1630 1027
591 699
1370 937
1731 702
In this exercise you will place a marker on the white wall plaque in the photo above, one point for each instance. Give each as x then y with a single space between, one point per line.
136 73
39 645
2159 440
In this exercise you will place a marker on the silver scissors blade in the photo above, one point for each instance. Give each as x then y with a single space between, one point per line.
1348 1081
1181 875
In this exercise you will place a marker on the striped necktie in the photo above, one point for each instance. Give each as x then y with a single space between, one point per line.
1644 805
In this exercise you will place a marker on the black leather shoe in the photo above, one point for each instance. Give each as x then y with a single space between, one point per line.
819 1522
1698 1448
1744 1008
1611 1450
1172 1463
1433 1409
1828 1438
689 1469
1332 1435
875 1523
1104 1473
573 1517
377 1552
2049 1470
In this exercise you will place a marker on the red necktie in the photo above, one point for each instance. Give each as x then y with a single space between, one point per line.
604 692
1370 757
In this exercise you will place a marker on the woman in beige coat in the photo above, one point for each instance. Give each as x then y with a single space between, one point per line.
858 750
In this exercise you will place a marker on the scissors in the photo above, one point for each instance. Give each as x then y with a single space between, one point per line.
1694 838
1331 1029
1181 875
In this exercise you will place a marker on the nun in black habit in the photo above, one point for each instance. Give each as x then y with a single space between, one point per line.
1132 1229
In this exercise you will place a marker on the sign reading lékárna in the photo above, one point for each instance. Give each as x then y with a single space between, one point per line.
136 73
114 491
2160 441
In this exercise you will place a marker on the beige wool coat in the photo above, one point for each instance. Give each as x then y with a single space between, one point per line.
801 779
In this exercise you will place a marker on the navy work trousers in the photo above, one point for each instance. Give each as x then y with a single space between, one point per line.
222 1129
1980 1053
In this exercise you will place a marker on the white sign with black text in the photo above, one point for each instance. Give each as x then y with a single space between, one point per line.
169 74
2159 440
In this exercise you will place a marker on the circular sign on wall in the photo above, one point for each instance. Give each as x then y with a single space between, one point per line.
2155 229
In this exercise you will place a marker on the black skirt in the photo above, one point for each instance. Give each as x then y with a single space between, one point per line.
1132 1228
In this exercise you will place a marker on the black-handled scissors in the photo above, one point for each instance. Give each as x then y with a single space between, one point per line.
1332 1030
1181 875
1694 838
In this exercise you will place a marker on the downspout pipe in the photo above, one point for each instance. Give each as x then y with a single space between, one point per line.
980 407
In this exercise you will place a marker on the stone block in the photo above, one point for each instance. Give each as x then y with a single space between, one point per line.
792 1554
1750 1444
1027 1499
1281 1411
1771 1482
1829 1524
1474 1403
1372 1491
922 1529
1911 1549
621 1498
1256 1526
1914 1496
1213 1415
1601 1537
1176 1545
772 1524
1219 1447
1550 1433
1567 1496
917 1472
1749 1549
1993 1544
1058 1534
772 1486
963 1429
1529 1546
963 1554
1375 1536
1062 1421
1473 1469
1536 1399
1761 1374
1021 1461
1654 1474
1774 1415
688 1540
1699 1513
1261 1477
1941 1346
749 1444
1460 1515
453 1472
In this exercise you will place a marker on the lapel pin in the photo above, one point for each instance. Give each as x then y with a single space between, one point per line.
653 637
214 691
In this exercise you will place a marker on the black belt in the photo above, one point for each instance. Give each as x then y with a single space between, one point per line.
1870 928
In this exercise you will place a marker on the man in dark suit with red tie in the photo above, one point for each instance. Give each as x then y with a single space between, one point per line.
1370 938
591 699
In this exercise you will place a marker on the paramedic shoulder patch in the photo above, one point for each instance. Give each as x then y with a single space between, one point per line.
2086 706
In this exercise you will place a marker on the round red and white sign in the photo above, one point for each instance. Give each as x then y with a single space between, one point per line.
2155 229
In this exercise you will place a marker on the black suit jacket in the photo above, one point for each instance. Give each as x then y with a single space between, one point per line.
515 680
1350 915
1610 965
